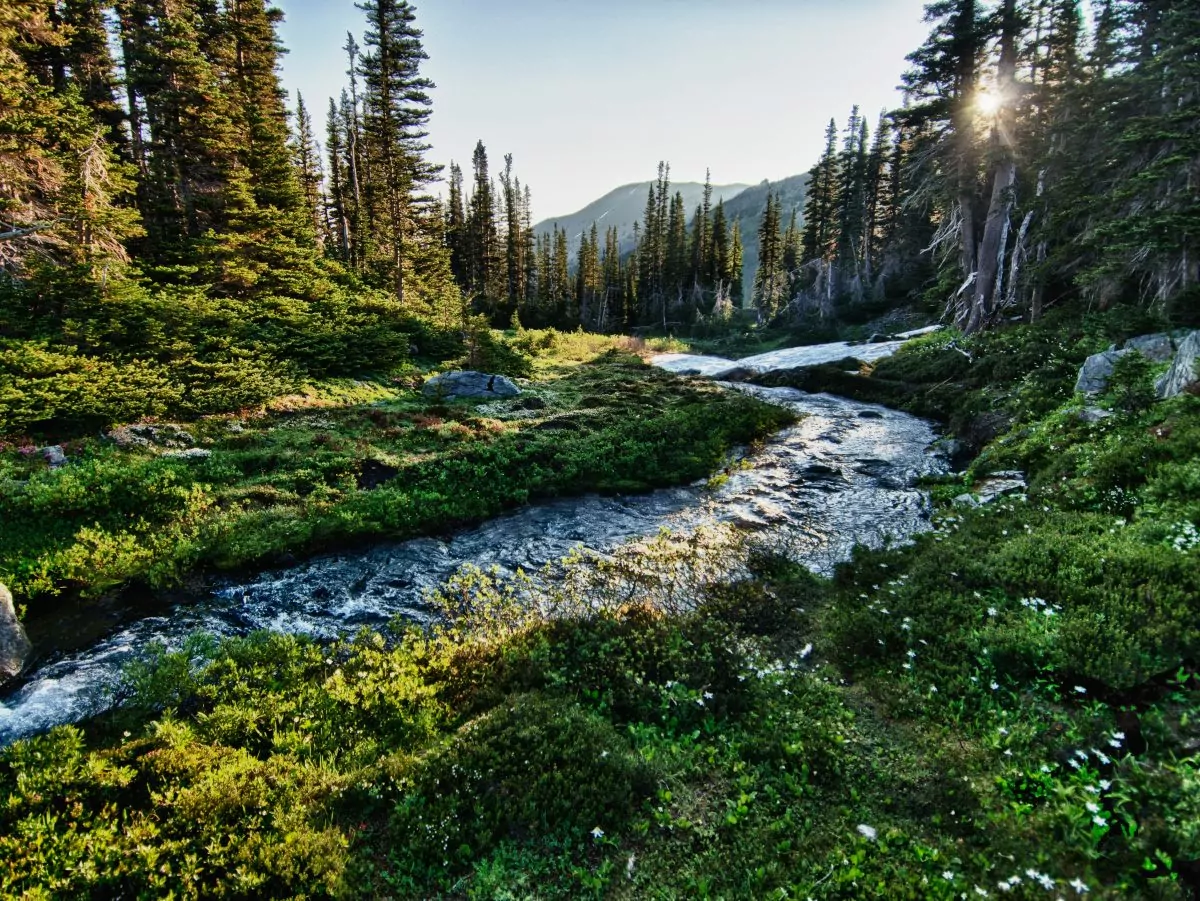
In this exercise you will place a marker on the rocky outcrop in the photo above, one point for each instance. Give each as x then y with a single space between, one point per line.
992 488
1157 348
1097 370
1184 375
14 644
457 385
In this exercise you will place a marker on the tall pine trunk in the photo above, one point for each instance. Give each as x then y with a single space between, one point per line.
1004 177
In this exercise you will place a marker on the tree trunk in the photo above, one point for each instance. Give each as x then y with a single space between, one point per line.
1004 177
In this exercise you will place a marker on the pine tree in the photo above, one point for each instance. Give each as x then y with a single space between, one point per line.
306 157
818 240
561 294
737 257
942 86
457 237
339 199
770 281
92 69
396 110
483 242
192 166
61 182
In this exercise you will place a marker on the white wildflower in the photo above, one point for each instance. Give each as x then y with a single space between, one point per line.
867 832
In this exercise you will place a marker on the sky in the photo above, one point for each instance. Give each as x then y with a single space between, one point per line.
590 96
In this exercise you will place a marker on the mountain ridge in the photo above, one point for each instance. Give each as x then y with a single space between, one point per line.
744 204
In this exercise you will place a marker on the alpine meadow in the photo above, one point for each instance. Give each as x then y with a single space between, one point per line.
366 534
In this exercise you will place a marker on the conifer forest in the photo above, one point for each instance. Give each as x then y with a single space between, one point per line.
363 535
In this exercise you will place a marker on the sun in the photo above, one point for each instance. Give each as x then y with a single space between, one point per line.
988 104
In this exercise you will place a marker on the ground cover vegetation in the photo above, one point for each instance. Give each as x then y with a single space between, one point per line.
1005 707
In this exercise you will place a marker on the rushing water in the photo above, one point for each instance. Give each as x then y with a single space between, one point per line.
844 475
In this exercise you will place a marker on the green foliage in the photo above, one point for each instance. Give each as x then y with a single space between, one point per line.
127 350
532 769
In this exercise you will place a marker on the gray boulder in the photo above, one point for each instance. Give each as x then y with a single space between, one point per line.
737 374
54 456
456 385
1183 374
1092 415
14 643
1157 348
1097 370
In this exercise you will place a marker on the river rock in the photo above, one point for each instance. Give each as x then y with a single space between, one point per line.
54 456
456 385
1097 370
1183 374
737 374
14 643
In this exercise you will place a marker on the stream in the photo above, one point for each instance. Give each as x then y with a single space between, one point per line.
844 475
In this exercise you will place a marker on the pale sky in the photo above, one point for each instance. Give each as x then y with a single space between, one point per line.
590 96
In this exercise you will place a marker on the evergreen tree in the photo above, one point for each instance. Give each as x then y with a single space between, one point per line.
483 238
457 236
306 157
737 257
818 240
770 281
339 198
61 181
92 69
396 108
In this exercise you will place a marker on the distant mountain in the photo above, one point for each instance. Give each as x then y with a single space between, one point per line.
625 206
743 203
747 209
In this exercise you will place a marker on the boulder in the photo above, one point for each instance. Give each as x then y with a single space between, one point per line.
1157 348
1097 370
737 374
53 456
1183 374
456 385
1092 415
14 643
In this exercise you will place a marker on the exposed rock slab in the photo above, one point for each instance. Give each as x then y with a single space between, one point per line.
468 384
1097 370
1183 374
